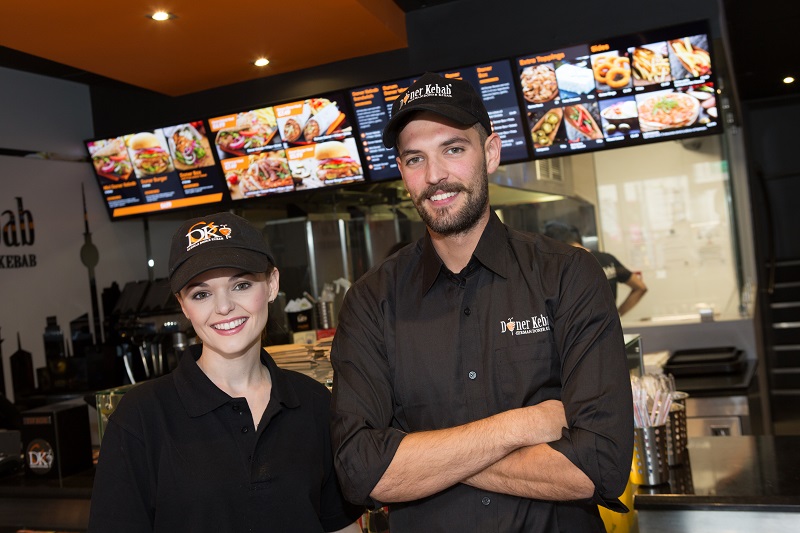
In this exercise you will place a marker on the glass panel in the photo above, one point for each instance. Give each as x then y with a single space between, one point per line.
664 213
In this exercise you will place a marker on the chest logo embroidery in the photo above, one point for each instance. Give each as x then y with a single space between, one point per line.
534 324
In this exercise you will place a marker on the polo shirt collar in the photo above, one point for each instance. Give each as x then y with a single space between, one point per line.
486 252
200 396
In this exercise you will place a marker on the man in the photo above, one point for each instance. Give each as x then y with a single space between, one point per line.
615 271
480 377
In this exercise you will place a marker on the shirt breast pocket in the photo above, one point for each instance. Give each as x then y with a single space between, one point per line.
529 373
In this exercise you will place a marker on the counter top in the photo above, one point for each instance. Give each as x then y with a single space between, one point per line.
731 473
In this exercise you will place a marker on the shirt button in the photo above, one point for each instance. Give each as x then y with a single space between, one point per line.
236 407
473 375
245 430
486 500
467 311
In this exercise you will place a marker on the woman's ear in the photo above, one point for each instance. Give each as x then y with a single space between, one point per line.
274 284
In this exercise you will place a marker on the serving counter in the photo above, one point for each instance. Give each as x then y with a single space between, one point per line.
731 483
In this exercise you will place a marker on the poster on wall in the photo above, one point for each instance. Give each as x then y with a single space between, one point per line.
156 170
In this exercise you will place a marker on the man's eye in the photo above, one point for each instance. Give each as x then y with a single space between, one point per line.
413 160
455 150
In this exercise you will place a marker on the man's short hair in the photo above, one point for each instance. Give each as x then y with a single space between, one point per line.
565 233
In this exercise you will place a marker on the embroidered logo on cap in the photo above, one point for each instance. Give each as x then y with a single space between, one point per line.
204 232
430 89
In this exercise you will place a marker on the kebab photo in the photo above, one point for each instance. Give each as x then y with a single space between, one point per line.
111 161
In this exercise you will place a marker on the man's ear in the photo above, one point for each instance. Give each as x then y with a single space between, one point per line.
492 150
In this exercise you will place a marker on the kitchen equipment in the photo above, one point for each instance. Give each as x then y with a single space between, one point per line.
721 360
56 439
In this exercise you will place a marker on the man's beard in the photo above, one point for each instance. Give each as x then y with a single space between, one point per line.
445 222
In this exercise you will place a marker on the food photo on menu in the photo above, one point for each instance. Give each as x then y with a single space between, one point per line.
666 110
547 127
611 71
619 116
650 64
309 121
325 164
574 79
110 159
244 133
582 122
538 82
189 146
689 57
258 174
149 154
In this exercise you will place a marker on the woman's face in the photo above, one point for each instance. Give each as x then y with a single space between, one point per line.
228 308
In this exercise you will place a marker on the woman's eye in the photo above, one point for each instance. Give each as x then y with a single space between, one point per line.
242 285
200 295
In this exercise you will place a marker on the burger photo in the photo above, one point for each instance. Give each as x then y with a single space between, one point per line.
148 155
110 160
334 162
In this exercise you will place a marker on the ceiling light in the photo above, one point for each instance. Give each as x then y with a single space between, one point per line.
261 62
788 79
161 16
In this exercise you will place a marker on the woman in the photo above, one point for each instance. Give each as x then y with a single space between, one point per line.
228 442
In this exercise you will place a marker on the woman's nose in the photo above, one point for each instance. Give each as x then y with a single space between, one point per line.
224 304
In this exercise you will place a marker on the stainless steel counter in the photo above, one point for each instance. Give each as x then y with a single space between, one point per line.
734 483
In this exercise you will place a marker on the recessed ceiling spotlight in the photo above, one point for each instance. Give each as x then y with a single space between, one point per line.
261 62
161 16
788 79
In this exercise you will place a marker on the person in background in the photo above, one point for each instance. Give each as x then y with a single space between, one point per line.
616 273
228 442
480 377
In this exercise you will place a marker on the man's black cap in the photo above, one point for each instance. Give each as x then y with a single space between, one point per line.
450 98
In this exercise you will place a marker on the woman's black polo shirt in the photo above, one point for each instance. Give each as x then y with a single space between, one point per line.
179 454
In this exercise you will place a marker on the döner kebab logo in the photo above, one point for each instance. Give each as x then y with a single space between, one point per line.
534 324
430 89
204 232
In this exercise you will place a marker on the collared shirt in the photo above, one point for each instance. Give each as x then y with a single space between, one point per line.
418 348
614 270
179 454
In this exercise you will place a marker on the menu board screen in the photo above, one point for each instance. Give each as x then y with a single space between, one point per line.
493 81
622 91
293 146
495 85
162 169
373 107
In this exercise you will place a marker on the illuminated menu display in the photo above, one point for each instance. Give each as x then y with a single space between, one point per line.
495 84
157 170
293 146
373 107
622 91
493 81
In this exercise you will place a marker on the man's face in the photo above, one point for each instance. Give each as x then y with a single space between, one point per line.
445 170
